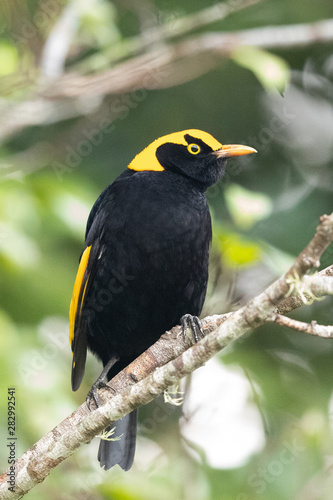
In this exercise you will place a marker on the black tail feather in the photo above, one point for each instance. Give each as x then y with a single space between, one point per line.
122 451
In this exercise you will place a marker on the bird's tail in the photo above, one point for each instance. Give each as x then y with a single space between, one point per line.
122 450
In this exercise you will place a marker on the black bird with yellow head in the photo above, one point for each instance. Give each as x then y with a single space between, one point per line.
145 262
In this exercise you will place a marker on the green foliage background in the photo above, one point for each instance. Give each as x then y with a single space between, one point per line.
265 211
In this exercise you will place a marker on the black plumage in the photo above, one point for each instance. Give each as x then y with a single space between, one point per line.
145 264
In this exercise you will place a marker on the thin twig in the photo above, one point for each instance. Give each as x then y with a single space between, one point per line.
311 328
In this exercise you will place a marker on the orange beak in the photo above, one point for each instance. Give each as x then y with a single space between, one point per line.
234 150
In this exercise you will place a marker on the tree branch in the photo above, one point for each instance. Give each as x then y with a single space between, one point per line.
316 285
311 328
75 95
179 26
164 364
132 73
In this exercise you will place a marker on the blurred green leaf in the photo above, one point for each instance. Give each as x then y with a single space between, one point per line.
246 207
9 59
17 248
98 22
236 250
272 71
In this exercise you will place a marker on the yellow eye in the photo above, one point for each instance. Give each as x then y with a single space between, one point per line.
194 149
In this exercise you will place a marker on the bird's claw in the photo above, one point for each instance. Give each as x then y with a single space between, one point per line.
194 324
93 394
100 383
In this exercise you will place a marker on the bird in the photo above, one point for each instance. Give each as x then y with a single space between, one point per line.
144 266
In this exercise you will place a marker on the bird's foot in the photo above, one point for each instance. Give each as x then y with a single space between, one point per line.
100 383
93 394
192 323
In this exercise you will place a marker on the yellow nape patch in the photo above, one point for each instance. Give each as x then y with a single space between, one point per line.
76 292
146 160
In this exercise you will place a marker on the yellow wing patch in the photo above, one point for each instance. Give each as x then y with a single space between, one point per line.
146 160
76 292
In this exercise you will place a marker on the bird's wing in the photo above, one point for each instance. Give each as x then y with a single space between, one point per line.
78 313
77 316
